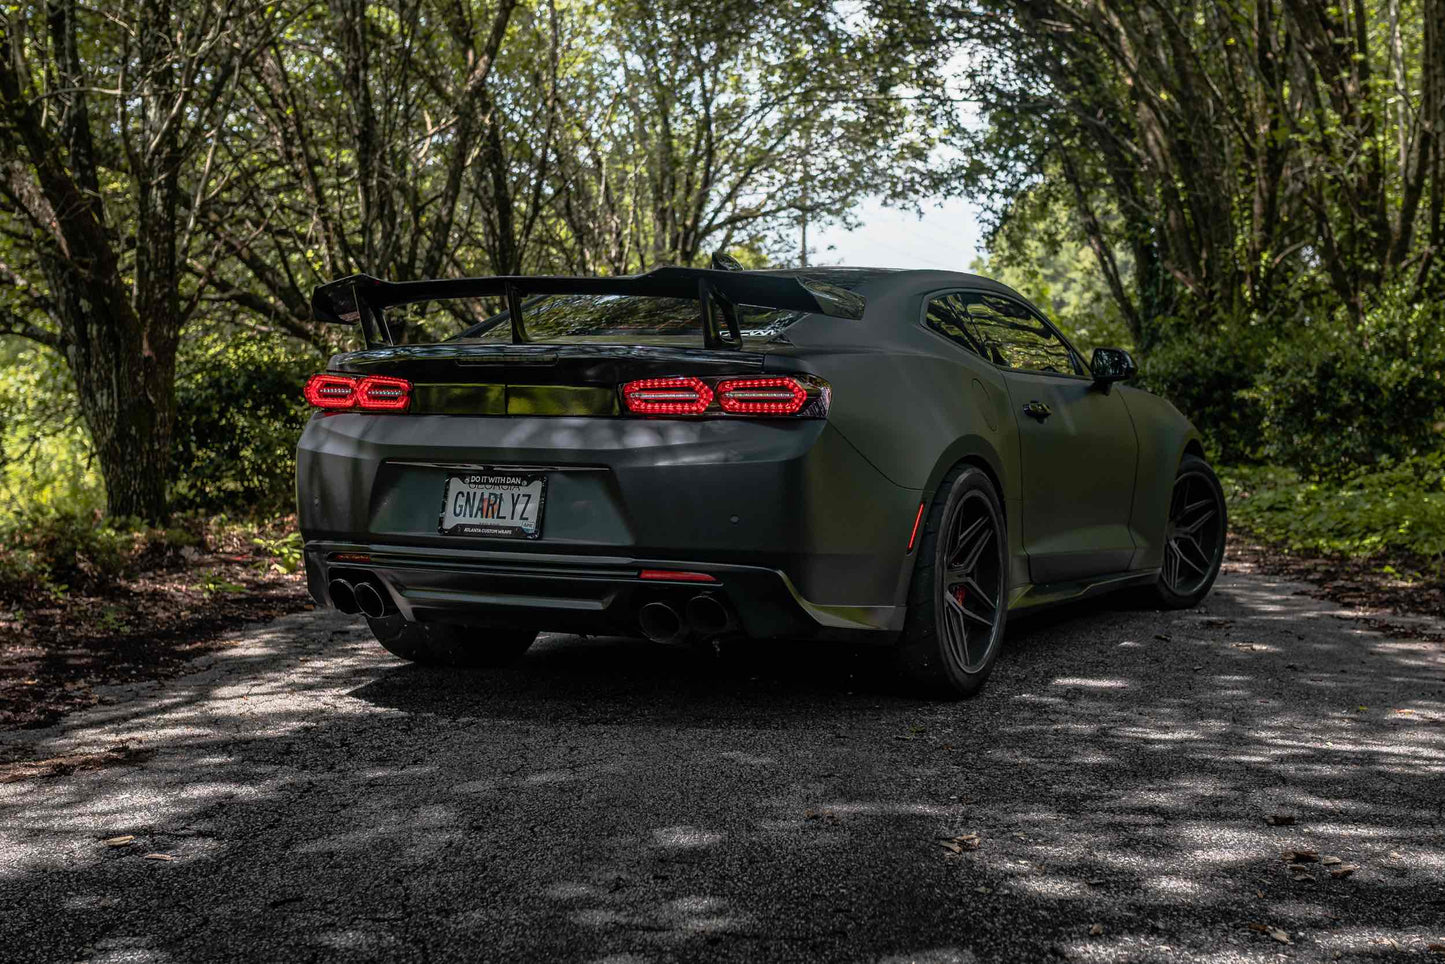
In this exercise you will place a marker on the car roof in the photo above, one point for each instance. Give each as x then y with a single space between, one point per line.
878 283
850 276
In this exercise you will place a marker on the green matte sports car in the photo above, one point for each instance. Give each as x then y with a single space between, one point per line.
899 457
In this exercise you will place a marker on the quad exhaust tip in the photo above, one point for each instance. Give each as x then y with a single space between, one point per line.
343 596
660 623
371 600
708 616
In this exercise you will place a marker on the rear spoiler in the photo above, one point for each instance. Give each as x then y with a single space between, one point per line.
362 299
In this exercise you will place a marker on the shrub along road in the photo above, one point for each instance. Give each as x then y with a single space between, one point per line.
1131 785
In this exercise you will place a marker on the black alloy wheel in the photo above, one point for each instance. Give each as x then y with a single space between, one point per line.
972 582
958 602
1194 535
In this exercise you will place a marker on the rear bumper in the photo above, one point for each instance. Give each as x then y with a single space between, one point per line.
583 593
789 497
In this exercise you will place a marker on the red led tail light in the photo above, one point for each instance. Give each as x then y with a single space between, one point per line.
333 392
777 395
667 396
381 393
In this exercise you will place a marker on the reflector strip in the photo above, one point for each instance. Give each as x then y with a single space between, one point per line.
913 536
669 575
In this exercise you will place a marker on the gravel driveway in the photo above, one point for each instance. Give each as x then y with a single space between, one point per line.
612 800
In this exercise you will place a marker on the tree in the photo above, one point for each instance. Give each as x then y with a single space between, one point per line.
107 121
1239 155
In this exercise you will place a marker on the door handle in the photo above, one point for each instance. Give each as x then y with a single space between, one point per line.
1037 409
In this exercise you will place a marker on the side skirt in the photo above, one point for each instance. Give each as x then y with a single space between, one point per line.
1034 597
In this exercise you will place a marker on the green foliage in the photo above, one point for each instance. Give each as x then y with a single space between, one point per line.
285 551
239 413
1336 397
1211 376
46 460
56 550
1396 506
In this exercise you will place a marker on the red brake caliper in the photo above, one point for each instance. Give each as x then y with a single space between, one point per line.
958 594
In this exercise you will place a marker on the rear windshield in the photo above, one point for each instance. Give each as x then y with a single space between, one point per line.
621 319
611 319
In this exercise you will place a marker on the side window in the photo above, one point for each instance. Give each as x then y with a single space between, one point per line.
948 315
1014 338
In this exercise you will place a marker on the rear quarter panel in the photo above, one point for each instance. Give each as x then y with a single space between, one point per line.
914 405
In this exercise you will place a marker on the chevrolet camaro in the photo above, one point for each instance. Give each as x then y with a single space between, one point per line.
850 454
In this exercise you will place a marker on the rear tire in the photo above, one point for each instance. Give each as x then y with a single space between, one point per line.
958 602
1193 536
443 644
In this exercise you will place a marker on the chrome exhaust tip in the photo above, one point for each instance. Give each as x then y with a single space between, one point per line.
371 600
660 623
709 615
343 596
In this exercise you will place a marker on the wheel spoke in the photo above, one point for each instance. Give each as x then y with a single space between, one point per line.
1199 564
1197 524
961 541
977 592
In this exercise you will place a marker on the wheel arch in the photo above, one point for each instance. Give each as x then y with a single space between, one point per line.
976 452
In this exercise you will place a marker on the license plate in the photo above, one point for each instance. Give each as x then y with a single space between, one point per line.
497 504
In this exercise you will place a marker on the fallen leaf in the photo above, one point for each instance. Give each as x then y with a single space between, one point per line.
1395 855
1435 948
951 846
1330 861
1279 819
1303 876
1343 871
1280 936
1096 930
1259 928
158 857
121 841
984 890
969 841
1300 856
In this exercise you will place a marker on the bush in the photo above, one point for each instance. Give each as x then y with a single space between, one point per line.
57 550
239 413
1210 374
1394 507
1337 397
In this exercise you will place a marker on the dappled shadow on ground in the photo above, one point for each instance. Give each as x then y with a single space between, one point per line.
614 800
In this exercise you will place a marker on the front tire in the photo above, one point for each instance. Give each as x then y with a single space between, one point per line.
1193 536
958 602
443 644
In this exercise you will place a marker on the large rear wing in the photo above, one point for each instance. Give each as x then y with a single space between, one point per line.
362 299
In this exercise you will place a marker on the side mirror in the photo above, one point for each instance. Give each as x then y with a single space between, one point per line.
1112 365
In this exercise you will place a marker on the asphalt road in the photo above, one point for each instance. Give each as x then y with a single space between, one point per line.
612 800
